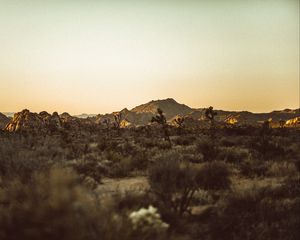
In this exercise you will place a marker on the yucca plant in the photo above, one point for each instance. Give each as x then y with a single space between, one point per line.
161 119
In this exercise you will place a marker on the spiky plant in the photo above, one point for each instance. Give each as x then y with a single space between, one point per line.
118 120
179 121
161 119
210 115
281 123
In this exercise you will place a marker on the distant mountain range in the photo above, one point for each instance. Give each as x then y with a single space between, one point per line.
142 115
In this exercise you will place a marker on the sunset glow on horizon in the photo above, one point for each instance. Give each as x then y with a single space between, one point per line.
103 56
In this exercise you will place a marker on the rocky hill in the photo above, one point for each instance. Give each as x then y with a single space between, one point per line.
142 114
170 107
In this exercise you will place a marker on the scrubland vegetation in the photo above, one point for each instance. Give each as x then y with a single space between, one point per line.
221 183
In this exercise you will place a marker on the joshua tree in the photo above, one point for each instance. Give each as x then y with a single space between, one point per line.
263 141
266 127
106 121
118 120
210 115
281 123
161 119
179 122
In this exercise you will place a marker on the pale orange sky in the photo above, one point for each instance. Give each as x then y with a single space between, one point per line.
85 56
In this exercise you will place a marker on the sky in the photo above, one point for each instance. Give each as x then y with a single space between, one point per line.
89 56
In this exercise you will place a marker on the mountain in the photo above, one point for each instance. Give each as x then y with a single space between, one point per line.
170 107
142 114
3 120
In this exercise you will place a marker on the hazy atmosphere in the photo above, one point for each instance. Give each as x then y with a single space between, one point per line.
149 120
102 56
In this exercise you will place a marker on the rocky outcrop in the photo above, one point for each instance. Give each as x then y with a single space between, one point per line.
232 120
294 122
24 120
29 121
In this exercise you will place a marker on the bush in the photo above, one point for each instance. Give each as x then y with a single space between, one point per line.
282 169
255 214
253 168
208 149
185 140
122 168
90 168
234 155
173 184
53 206
214 176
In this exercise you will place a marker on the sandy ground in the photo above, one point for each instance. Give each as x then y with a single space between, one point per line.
140 184
113 186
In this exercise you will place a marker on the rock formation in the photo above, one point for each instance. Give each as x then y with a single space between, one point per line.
29 121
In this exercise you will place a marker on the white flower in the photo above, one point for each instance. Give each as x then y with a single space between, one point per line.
148 219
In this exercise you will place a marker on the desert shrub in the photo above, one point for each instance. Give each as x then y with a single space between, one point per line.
173 184
208 149
24 168
55 206
227 142
126 148
253 168
90 168
233 154
21 157
123 165
254 214
132 201
106 144
167 155
113 156
140 160
163 145
185 140
297 163
214 176
291 186
147 142
267 148
121 168
282 169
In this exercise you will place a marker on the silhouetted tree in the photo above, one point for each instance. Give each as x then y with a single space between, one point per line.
161 119
179 121
106 121
118 120
263 143
210 115
281 123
